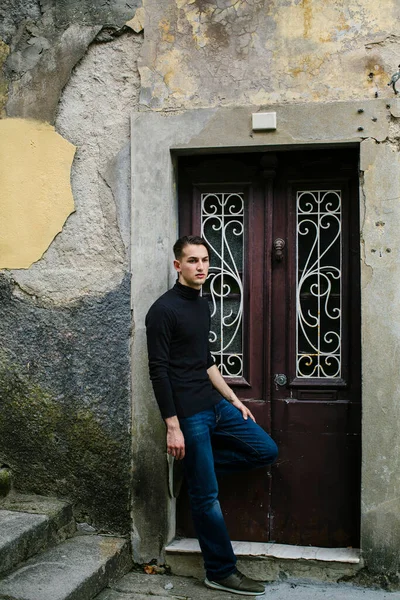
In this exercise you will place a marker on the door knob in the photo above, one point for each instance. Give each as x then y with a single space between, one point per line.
279 245
280 379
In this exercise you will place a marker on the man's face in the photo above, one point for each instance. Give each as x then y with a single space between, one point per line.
193 266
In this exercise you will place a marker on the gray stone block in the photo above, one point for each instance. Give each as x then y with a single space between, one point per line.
29 524
77 569
19 532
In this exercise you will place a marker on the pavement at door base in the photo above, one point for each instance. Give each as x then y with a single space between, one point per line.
138 586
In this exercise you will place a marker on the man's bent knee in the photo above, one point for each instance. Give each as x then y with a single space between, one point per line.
269 455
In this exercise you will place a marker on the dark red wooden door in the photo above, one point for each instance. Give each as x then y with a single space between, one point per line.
284 293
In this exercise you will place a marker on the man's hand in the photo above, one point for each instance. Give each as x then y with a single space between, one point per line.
223 388
243 409
175 439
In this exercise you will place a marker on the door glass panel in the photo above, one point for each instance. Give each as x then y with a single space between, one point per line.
319 284
222 226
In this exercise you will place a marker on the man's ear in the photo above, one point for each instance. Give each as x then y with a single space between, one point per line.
177 265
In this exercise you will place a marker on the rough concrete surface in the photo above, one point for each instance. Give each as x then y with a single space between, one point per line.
268 568
40 505
65 401
137 586
65 52
75 570
381 448
57 13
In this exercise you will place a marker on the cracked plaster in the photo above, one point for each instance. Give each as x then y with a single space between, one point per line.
67 321
137 23
395 107
242 51
91 254
36 92
53 37
47 39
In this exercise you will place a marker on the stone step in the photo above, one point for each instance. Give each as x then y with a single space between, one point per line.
270 561
29 524
77 569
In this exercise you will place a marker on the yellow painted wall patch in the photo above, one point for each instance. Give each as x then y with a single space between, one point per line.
35 190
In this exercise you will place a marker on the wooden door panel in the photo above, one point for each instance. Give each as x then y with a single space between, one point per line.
320 496
245 502
300 416
316 418
317 476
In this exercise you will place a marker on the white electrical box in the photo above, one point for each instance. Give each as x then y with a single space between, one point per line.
264 121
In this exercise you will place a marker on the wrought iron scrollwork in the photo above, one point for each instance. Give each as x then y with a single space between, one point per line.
222 224
319 284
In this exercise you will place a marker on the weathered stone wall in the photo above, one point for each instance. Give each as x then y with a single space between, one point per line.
66 320
64 390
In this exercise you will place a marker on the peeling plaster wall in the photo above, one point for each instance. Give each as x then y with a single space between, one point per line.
91 255
66 321
47 39
206 53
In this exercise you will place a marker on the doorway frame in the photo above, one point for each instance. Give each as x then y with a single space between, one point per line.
157 140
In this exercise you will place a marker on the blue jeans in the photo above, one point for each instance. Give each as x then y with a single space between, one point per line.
240 445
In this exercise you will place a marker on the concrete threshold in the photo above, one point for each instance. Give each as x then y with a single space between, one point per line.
270 561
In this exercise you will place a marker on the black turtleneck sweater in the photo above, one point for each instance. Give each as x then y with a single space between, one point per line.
177 325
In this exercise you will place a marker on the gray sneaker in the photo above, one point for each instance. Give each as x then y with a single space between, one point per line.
237 583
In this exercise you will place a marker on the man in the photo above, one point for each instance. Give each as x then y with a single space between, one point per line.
198 408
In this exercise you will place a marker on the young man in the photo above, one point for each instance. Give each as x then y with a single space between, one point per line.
198 407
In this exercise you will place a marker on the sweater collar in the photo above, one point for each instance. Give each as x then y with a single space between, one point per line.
185 291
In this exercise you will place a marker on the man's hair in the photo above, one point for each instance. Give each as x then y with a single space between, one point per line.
187 240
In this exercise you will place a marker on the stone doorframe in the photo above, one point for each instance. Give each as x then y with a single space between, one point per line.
157 138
